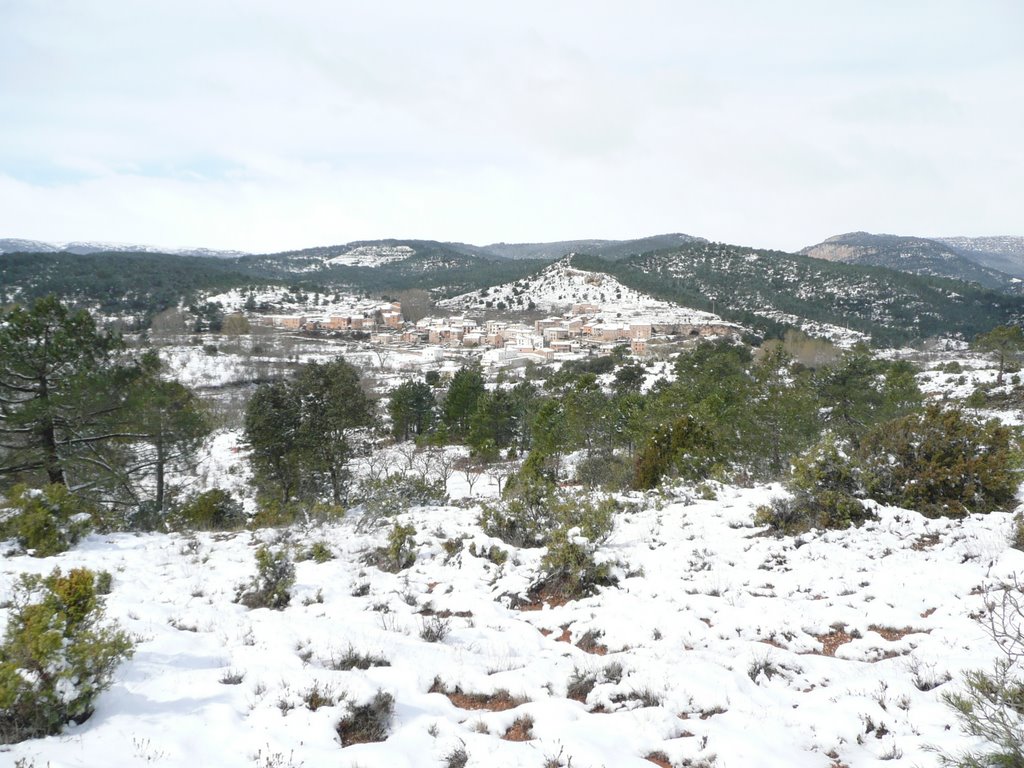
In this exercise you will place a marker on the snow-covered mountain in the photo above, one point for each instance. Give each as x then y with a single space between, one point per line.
15 245
917 255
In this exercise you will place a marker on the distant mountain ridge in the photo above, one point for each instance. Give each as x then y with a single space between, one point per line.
916 255
82 248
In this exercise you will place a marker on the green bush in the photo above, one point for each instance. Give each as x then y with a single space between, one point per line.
399 553
57 656
271 586
568 566
213 510
45 521
940 462
824 509
534 509
1017 532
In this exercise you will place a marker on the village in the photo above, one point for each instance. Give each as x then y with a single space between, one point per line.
584 329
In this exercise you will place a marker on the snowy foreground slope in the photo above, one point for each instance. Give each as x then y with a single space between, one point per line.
716 642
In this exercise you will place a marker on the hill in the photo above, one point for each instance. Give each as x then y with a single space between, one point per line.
770 290
1005 253
609 249
916 255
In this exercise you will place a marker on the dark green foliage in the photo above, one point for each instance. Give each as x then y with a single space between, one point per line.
893 307
686 449
45 521
940 462
366 723
57 656
212 510
299 432
533 510
272 584
411 408
399 552
169 423
569 568
60 389
465 389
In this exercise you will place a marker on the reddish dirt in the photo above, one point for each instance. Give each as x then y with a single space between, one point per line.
892 633
566 636
499 701
520 730
830 642
659 759
588 644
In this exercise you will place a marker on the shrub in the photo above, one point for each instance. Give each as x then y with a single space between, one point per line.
685 449
569 566
529 515
271 586
57 656
368 722
1017 532
805 510
397 493
45 521
939 462
320 552
213 510
399 552
274 513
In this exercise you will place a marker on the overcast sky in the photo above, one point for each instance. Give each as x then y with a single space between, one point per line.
270 125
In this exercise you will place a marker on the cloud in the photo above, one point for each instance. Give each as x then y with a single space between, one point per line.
258 125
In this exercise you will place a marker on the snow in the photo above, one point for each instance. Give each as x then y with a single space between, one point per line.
702 603
559 287
372 255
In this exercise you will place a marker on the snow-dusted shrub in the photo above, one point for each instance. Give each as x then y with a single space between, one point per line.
940 462
991 704
368 722
569 568
57 654
395 494
1017 532
212 510
45 521
399 552
534 509
271 586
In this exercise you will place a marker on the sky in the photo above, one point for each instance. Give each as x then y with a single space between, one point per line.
264 126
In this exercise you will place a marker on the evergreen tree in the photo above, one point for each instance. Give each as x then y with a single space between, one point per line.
1005 342
411 409
466 388
62 387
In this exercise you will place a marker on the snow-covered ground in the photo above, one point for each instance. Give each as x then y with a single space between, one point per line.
372 255
716 642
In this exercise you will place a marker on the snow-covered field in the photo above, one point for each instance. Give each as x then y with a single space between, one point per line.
717 645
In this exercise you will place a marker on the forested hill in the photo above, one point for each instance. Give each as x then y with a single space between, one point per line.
767 290
146 283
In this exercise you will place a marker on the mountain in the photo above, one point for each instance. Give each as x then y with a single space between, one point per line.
917 255
609 249
770 290
1005 252
14 245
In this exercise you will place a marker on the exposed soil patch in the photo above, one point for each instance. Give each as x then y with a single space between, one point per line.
831 641
499 701
659 759
589 644
925 541
892 634
520 730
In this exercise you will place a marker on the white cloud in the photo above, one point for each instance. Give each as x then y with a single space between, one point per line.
262 125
